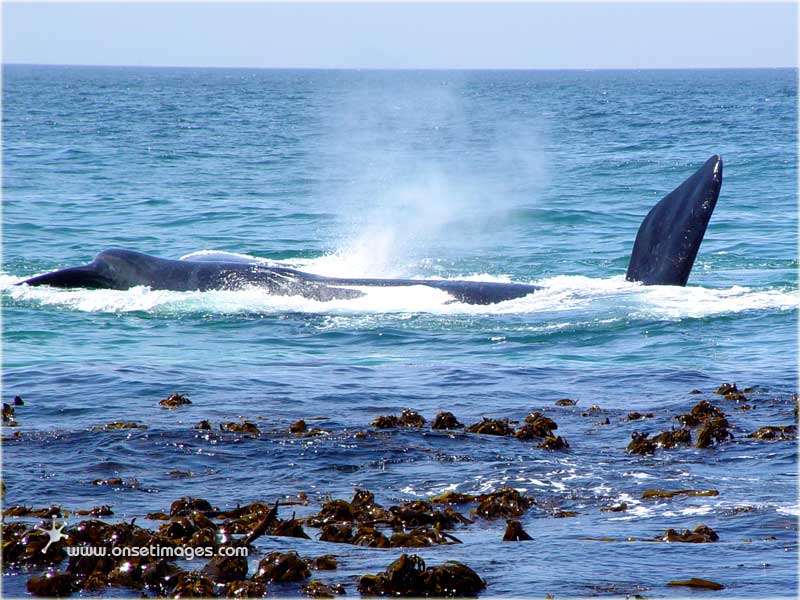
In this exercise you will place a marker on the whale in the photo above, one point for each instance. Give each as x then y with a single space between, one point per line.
663 253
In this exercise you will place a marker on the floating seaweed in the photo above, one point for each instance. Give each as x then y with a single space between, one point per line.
553 442
672 438
407 418
650 494
451 498
700 412
370 537
317 589
340 533
97 511
223 568
702 534
713 431
175 400
326 562
446 420
621 507
775 432
536 425
696 582
245 427
420 513
333 511
245 589
506 503
193 584
731 392
592 410
188 505
636 416
641 444
515 533
491 427
52 584
119 425
408 576
279 567
8 415
422 537
298 427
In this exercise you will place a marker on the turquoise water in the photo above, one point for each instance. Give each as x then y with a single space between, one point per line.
534 177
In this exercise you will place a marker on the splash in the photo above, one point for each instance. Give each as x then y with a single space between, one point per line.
564 301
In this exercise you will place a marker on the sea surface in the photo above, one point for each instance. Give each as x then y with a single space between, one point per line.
536 177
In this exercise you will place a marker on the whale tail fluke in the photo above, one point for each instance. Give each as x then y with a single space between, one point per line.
86 276
670 235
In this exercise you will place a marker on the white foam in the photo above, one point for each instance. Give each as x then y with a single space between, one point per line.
673 303
789 510
636 475
697 510
564 302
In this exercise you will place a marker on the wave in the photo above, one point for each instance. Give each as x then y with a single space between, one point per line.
563 299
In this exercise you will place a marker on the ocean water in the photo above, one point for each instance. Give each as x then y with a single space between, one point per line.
534 177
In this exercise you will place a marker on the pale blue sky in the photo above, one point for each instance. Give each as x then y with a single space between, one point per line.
526 36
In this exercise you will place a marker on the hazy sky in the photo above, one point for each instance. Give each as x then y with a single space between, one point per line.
536 35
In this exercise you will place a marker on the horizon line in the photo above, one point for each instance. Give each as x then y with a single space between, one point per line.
307 68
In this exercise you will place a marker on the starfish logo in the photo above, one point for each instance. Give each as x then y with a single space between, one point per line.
54 533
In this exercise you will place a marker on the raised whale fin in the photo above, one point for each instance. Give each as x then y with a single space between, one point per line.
670 235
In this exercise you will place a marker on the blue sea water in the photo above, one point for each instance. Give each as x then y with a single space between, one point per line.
538 177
